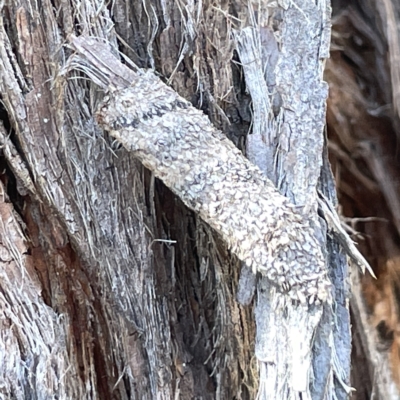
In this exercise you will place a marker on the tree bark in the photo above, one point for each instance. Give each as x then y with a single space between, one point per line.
363 122
115 286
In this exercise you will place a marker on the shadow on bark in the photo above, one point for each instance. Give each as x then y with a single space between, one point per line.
363 124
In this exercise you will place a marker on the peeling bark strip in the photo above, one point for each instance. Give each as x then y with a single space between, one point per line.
210 175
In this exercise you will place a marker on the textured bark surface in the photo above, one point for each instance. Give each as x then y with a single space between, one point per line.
141 291
125 293
178 144
363 126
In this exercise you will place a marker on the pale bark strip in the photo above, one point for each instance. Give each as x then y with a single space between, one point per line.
285 332
179 144
282 55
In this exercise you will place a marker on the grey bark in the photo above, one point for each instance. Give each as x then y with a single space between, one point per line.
139 290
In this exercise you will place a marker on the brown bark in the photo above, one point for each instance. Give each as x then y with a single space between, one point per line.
363 123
